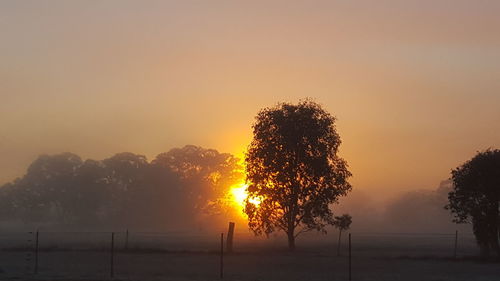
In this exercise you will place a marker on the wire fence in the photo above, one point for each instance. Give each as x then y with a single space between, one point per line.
186 256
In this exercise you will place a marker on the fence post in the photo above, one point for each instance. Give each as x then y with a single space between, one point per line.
350 259
456 244
221 255
36 252
126 240
230 235
27 257
338 244
112 269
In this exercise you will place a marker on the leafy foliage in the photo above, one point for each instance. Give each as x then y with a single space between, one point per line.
476 196
343 222
293 168
205 173
123 190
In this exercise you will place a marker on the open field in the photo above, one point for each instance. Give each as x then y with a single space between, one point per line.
156 256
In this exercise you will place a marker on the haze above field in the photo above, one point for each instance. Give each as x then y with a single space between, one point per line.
415 85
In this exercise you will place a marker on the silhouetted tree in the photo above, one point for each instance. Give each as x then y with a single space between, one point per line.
7 204
89 193
475 198
124 190
126 178
293 168
205 176
48 188
342 223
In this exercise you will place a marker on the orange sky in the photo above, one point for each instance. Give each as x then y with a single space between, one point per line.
415 86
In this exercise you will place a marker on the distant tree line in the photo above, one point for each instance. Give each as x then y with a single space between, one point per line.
176 189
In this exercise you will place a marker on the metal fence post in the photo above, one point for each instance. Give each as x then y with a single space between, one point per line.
126 240
221 255
350 259
36 252
456 245
112 269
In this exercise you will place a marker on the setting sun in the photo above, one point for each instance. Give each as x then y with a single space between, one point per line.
225 140
238 195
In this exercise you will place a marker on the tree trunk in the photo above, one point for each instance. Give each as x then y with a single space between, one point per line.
291 241
494 229
484 249
493 239
338 244
482 230
494 244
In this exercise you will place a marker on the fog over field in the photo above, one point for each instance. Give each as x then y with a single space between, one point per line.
189 140
126 191
420 211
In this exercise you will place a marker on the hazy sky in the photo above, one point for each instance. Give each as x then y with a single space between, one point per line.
415 85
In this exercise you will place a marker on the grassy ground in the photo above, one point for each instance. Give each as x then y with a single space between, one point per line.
247 266
375 257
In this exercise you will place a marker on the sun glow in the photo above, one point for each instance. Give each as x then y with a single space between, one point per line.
239 194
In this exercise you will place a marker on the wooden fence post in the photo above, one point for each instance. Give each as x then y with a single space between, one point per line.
230 237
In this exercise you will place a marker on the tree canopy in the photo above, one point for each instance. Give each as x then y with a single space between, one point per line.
475 198
205 173
343 222
177 189
292 167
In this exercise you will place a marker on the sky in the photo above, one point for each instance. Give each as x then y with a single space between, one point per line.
415 85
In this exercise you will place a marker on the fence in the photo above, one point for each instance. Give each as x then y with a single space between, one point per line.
185 256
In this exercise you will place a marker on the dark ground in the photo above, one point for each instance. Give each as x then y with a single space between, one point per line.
155 257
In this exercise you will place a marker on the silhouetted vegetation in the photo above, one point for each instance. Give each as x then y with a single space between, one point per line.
342 223
293 168
476 196
178 188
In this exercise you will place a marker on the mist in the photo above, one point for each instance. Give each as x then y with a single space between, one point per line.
183 189
101 78
128 127
410 211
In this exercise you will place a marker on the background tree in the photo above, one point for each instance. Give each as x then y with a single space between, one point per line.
293 168
126 177
342 223
475 198
123 191
48 189
205 174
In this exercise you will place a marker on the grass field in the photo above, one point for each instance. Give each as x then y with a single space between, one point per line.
181 257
